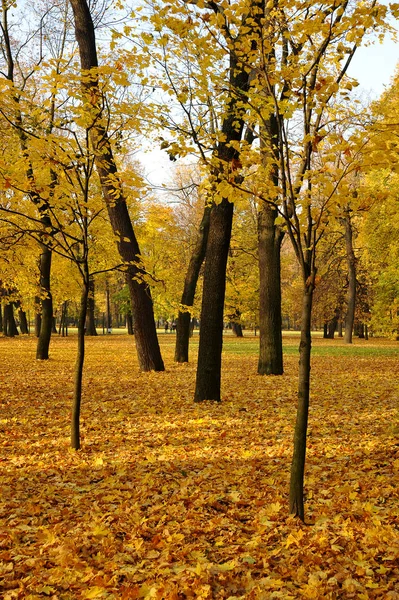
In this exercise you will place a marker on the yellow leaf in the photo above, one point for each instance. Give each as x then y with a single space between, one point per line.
94 592
294 539
100 531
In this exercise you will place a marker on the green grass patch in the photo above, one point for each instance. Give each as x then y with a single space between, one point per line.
360 348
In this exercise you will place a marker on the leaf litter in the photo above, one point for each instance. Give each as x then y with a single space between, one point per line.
171 499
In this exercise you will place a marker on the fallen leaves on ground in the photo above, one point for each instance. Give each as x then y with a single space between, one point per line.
171 499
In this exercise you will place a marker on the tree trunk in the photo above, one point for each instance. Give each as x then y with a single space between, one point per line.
270 324
235 322
211 329
299 455
340 334
237 329
43 342
91 320
332 325
1 318
147 345
190 284
23 322
38 316
351 262
60 328
54 325
41 204
129 323
77 396
10 327
226 161
325 331
108 307
38 324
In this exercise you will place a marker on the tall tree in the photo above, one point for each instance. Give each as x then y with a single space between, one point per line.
147 345
226 161
300 88
351 262
190 285
91 321
42 203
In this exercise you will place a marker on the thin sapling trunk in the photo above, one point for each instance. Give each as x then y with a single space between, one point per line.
77 395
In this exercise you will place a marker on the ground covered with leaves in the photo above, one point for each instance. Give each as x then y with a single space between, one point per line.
171 500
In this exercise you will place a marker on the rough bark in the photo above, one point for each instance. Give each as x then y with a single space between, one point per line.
190 284
270 323
351 262
301 425
147 345
211 328
91 321
77 396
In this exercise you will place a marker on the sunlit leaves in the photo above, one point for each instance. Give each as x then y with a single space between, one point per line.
168 498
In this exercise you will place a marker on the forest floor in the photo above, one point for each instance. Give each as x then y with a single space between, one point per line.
168 499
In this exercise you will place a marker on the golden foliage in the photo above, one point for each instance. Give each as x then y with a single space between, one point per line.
172 500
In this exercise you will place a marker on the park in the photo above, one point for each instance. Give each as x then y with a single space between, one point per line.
199 377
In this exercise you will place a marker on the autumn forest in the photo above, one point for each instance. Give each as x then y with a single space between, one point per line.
199 377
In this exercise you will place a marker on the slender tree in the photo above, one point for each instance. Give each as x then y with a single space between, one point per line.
226 161
91 321
310 69
147 345
351 262
46 304
190 284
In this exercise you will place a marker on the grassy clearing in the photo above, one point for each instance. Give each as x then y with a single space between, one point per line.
171 500
374 347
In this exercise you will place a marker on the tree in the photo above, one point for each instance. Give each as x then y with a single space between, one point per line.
379 225
22 127
206 54
351 262
224 170
91 322
147 346
190 283
309 71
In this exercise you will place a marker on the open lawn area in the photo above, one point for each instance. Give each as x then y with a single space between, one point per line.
168 499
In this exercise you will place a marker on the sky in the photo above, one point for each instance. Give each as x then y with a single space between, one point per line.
373 66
